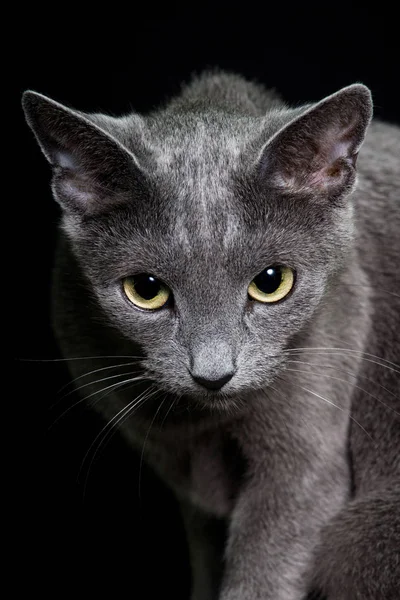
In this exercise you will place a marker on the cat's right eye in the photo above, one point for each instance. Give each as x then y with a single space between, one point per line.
146 291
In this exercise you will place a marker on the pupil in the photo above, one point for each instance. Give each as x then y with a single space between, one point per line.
269 280
147 286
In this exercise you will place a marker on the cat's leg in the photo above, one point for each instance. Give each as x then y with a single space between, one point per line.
274 528
206 538
359 556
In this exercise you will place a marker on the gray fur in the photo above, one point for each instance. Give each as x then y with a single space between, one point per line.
301 468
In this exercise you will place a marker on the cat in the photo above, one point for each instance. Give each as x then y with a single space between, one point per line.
224 250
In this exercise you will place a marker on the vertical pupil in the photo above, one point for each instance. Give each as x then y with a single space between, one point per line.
269 280
147 286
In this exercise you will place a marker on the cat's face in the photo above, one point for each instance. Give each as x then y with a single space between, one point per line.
203 243
210 326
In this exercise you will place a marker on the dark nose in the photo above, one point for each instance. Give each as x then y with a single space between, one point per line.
213 384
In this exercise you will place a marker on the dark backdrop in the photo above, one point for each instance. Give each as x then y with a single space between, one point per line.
105 539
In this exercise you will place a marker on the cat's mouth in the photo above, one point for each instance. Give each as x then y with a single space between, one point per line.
235 396
222 402
224 399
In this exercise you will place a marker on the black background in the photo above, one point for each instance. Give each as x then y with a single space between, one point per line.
105 539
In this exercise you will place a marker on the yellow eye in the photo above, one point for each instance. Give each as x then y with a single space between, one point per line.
272 284
146 291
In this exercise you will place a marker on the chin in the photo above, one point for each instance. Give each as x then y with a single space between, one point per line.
228 401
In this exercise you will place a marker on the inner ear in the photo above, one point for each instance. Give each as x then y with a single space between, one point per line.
66 160
317 151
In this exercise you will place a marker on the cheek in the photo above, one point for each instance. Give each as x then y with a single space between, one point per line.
270 329
150 329
271 334
272 325
168 371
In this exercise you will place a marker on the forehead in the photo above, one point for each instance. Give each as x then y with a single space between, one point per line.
216 231
193 138
202 209
196 163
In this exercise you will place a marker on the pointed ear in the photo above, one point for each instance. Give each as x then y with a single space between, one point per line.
316 153
92 171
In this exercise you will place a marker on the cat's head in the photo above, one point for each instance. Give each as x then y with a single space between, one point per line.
208 239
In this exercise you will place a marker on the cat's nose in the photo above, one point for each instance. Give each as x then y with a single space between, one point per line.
212 362
213 384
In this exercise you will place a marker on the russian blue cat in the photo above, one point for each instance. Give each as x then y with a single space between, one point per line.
224 251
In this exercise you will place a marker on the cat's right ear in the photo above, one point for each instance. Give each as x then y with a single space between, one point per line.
92 171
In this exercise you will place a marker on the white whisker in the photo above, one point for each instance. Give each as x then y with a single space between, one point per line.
168 411
144 443
125 364
94 382
355 375
114 421
113 429
379 290
344 381
338 350
79 358
331 403
114 385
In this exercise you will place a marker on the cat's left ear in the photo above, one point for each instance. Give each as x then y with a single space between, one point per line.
316 153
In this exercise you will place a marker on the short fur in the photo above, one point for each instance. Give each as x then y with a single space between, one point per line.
296 459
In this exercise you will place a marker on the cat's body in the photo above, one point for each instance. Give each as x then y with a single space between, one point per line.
204 195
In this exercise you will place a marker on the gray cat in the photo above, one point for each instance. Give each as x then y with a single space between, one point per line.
221 251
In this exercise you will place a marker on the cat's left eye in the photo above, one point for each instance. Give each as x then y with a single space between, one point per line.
146 291
272 284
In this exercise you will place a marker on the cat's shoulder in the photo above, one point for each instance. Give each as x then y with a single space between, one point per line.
377 197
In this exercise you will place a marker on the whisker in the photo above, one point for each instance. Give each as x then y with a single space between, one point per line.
168 411
375 290
144 444
355 375
344 380
125 364
110 434
78 358
113 429
332 350
114 385
114 421
331 403
96 381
